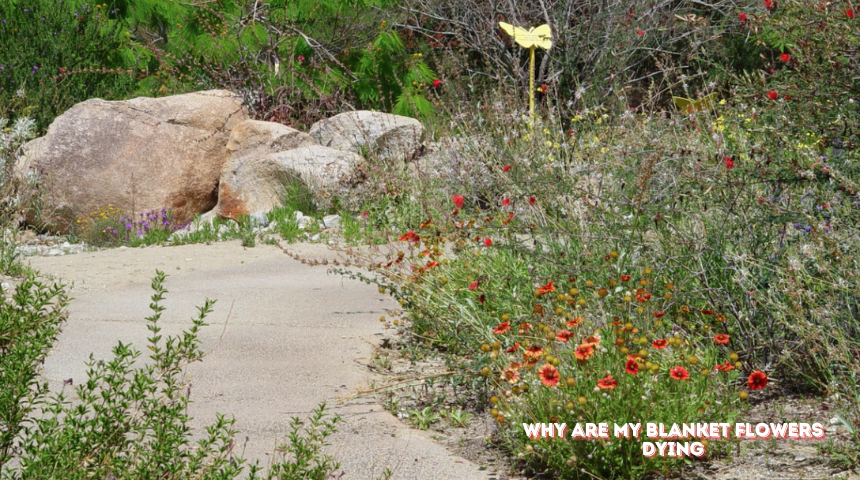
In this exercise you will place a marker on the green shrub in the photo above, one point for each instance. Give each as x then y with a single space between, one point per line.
129 420
30 321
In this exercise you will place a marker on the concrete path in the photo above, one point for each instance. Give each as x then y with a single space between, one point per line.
296 336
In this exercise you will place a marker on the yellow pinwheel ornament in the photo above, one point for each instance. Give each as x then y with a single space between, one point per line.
688 105
536 37
540 36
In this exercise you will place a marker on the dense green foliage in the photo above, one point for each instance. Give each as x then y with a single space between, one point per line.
56 53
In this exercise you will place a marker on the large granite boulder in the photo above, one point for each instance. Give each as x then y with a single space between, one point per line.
253 183
138 154
257 138
386 136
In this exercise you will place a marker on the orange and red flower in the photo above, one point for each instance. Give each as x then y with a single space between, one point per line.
549 375
488 242
632 367
546 288
784 58
771 94
679 373
593 340
514 348
474 285
607 383
502 328
725 367
410 236
757 380
533 352
563 336
524 328
583 352
506 168
660 343
659 314
721 338
458 201
625 278
511 375
574 322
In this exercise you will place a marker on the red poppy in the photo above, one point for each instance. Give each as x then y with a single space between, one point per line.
583 351
474 285
659 314
757 380
458 201
640 32
506 202
502 328
506 168
533 352
849 13
769 4
679 373
721 338
487 242
632 367
660 343
742 17
549 375
437 83
607 383
771 94
514 348
531 200
730 164
784 58
574 322
546 288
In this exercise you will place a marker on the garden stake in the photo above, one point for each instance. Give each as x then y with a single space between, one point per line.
535 37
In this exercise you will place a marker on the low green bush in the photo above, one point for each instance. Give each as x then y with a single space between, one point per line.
128 419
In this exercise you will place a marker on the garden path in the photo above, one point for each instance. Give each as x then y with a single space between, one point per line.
295 336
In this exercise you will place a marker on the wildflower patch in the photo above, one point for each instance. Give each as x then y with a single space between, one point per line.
668 447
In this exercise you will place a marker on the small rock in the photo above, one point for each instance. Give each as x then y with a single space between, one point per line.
799 458
223 229
259 219
834 421
5 286
66 245
123 248
272 225
54 252
315 238
299 214
331 221
303 222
